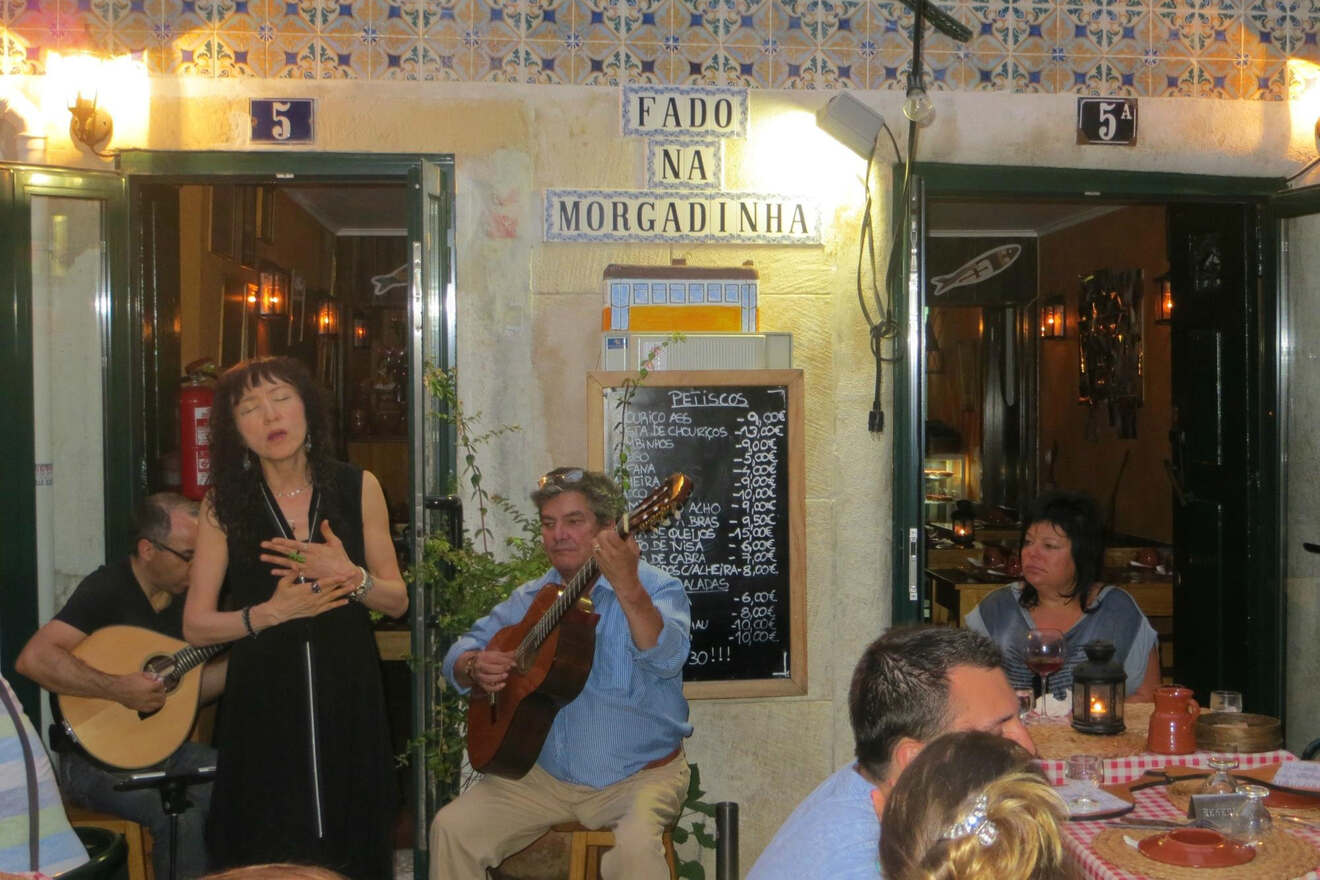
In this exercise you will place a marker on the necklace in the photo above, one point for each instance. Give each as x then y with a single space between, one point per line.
267 495
292 493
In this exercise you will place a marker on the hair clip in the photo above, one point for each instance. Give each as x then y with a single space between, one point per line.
975 822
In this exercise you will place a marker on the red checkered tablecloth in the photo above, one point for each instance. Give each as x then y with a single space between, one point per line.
1130 767
1152 803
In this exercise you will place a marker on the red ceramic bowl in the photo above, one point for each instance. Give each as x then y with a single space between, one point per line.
1196 848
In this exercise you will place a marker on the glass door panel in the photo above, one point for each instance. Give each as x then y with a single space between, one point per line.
1300 277
69 299
64 351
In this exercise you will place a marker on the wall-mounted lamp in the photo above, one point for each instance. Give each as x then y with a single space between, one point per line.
1053 321
90 125
327 319
252 297
361 335
98 97
273 298
1164 306
851 122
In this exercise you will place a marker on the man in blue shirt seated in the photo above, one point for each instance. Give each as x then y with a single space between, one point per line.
911 685
613 756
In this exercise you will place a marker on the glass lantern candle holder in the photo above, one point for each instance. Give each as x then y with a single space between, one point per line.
1099 686
964 523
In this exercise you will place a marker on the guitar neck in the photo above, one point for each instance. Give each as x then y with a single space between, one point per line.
191 656
573 590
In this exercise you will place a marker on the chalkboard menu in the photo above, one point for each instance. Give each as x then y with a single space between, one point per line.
736 546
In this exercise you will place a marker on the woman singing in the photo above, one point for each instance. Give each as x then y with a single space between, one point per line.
301 544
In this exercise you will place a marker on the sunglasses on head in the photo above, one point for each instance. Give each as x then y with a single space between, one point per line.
561 477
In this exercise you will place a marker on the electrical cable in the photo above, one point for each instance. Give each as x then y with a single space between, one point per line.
1305 168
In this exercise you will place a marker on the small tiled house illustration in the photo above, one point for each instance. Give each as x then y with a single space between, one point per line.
639 299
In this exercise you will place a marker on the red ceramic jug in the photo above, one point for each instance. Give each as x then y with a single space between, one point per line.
1173 723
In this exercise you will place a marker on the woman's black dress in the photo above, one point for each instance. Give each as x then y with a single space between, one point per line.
297 784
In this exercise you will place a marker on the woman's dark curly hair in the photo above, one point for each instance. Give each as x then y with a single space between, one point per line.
235 490
1078 516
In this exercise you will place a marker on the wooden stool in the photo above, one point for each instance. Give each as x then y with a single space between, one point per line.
585 848
137 838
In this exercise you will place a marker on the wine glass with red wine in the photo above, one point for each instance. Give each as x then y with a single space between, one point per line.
1045 654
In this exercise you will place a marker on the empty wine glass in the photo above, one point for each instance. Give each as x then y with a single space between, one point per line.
1045 653
1221 781
1251 823
1225 701
1086 769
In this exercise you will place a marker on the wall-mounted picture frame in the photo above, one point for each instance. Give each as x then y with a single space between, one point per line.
297 307
266 214
236 337
222 221
247 225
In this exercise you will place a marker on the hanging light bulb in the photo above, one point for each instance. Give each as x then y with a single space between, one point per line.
918 107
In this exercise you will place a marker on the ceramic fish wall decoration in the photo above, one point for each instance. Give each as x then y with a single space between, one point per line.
977 269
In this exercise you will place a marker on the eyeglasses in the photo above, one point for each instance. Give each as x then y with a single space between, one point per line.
185 556
561 477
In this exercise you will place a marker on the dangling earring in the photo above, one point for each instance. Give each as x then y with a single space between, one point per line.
307 444
247 461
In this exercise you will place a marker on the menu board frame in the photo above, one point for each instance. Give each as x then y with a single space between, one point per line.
600 422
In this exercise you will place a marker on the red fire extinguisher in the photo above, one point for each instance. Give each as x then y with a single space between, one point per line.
196 394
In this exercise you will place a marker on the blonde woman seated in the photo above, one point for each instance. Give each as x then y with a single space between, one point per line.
972 805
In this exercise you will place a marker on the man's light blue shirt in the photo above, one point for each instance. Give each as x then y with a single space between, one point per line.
631 711
834 833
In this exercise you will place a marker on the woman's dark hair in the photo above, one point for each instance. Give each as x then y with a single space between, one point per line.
236 490
1078 516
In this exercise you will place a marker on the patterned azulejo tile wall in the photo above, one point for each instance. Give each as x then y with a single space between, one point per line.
1209 48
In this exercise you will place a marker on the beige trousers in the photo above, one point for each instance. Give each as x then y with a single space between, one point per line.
497 817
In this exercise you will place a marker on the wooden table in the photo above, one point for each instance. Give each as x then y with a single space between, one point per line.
956 591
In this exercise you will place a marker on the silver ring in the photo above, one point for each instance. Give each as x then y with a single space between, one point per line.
316 586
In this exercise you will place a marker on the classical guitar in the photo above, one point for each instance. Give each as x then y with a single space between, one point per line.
553 645
122 737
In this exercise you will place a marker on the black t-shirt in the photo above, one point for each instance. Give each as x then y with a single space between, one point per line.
108 596
111 595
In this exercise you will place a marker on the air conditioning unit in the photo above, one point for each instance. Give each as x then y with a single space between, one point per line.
699 351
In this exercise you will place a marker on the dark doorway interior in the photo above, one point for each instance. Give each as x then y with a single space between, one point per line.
1066 370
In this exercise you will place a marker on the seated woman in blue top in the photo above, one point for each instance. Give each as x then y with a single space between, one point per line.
1062 557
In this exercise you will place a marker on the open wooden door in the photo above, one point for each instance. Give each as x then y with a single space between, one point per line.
1227 600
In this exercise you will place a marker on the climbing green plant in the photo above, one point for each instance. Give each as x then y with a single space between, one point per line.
691 826
619 473
464 579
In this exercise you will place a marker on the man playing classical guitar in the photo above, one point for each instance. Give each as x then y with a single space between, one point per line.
613 756
145 590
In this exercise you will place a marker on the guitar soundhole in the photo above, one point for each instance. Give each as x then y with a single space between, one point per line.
163 666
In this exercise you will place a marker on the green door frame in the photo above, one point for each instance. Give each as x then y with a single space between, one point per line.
18 532
429 179
1014 182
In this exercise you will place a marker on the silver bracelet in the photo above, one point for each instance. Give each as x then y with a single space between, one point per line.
360 592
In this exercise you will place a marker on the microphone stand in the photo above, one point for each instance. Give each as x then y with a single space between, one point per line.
173 788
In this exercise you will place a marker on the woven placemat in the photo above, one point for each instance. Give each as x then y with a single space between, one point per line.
1283 856
1056 740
